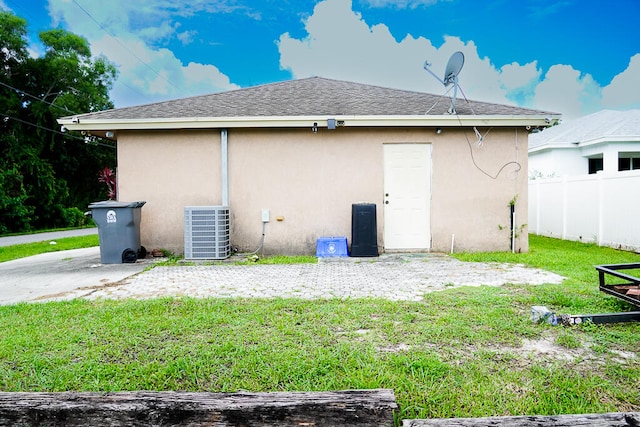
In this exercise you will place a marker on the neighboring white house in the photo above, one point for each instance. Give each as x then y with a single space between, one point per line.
606 141
585 180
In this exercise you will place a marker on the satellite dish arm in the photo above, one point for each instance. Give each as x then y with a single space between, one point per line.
427 66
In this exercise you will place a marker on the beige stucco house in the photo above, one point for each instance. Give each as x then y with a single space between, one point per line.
306 150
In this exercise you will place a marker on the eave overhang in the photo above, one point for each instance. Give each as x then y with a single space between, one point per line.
554 146
90 125
609 139
582 144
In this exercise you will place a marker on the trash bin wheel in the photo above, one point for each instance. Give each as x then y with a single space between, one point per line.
142 252
129 256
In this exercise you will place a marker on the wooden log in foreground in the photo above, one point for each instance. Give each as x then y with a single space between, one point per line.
344 408
613 419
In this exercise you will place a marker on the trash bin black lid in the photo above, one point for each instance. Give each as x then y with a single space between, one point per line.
116 204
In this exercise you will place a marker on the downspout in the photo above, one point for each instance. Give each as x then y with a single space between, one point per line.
224 164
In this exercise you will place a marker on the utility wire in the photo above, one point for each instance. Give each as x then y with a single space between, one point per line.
473 159
24 11
478 135
58 132
132 89
22 92
480 141
16 6
122 44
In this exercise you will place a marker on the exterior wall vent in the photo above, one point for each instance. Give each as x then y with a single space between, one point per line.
206 232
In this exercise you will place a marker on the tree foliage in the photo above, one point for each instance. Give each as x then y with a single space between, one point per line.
45 174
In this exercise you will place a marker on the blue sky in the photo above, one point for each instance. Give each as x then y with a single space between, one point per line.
570 56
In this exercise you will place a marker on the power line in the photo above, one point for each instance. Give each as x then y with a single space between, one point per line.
23 11
123 45
132 89
17 6
58 132
22 92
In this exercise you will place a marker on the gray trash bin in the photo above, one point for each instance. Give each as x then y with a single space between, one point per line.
118 230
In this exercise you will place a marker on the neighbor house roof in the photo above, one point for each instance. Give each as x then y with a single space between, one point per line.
603 126
300 102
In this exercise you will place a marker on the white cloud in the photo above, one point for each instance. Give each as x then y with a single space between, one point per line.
149 75
401 4
164 31
520 81
340 44
624 89
186 37
564 89
146 73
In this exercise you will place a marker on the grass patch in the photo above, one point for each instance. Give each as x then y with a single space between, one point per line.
8 253
178 260
280 259
458 353
574 260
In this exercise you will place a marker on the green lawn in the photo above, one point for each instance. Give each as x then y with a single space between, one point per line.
8 253
463 352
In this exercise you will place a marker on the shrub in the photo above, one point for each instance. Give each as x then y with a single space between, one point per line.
73 217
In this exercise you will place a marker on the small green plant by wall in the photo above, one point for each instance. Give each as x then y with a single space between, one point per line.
515 231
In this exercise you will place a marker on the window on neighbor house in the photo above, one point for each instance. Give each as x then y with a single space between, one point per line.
628 161
595 165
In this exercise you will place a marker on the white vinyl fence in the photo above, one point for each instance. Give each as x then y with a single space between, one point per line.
602 209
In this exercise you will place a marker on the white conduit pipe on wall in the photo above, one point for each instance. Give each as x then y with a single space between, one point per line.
224 164
515 191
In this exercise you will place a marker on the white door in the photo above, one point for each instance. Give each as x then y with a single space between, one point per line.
407 196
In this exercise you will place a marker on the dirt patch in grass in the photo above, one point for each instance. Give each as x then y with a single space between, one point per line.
548 348
544 349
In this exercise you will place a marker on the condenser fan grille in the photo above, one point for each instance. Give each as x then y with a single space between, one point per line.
206 232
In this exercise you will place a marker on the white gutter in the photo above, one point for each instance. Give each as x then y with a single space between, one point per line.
80 123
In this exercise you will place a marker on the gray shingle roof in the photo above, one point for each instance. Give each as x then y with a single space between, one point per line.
312 96
610 124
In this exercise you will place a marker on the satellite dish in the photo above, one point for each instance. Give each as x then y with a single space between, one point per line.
456 61
454 66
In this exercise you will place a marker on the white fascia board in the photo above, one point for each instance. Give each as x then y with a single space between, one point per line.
609 139
553 146
82 124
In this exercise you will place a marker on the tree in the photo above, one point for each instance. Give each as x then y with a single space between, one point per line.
14 210
47 177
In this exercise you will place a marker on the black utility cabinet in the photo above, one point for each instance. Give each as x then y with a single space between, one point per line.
364 232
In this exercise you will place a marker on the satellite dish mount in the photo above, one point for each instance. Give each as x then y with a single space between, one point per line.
454 66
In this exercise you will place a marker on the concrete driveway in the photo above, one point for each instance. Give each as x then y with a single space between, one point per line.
44 276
